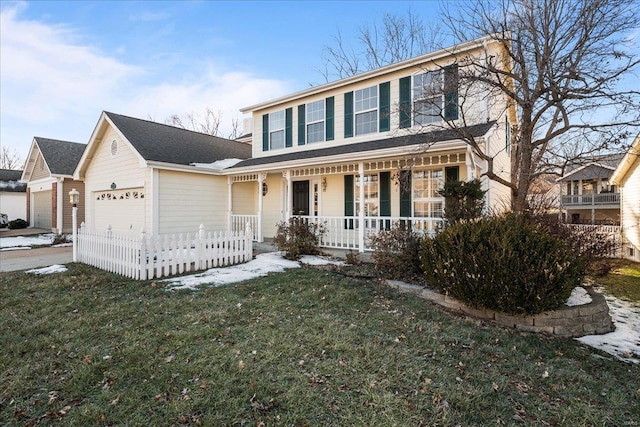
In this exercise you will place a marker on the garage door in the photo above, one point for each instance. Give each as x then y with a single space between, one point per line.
42 209
122 209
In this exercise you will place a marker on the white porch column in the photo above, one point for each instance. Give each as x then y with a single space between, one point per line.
361 213
471 167
261 179
60 204
229 203
289 195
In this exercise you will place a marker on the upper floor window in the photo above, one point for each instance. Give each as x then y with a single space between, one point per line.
366 110
428 97
276 130
315 112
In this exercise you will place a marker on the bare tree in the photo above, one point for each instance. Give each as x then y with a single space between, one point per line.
208 123
10 159
396 38
561 66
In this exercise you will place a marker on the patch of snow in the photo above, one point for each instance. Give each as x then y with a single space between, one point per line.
318 260
56 268
40 239
624 342
579 296
218 165
263 264
15 248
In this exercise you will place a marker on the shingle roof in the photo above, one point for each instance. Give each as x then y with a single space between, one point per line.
9 181
169 144
62 157
393 142
592 171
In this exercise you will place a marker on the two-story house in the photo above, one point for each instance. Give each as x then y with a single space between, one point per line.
363 152
587 195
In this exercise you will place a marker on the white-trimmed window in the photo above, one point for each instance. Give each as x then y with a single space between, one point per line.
428 97
315 117
276 130
426 200
366 110
371 202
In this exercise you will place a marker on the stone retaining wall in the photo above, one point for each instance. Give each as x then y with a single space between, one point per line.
587 319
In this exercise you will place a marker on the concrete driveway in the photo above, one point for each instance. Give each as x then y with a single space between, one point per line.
26 259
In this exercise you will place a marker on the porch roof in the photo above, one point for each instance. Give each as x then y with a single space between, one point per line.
590 171
412 140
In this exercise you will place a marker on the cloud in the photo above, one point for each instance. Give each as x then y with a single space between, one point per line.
55 84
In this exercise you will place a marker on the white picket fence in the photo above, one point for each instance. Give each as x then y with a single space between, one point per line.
610 233
147 257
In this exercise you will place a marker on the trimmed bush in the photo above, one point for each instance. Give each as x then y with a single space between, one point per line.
17 224
298 237
397 253
503 263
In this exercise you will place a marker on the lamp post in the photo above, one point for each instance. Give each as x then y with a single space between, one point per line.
74 199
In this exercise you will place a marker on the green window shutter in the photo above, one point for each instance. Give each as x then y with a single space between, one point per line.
348 201
301 124
405 102
288 124
348 114
329 123
451 92
385 107
452 173
265 132
385 193
405 193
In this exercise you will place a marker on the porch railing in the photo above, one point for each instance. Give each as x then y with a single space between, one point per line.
239 223
343 232
591 199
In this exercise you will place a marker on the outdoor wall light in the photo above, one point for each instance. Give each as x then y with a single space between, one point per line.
74 197
113 185
324 183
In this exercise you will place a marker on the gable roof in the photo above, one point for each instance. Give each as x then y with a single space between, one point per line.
413 141
590 171
169 144
626 164
9 181
61 157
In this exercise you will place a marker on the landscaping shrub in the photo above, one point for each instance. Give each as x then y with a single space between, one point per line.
298 237
505 263
462 200
17 224
397 253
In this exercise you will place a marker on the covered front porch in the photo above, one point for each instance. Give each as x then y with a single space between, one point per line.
352 201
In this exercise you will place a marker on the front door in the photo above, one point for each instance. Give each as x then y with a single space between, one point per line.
301 197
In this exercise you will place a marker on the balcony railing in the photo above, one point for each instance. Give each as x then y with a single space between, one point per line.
591 199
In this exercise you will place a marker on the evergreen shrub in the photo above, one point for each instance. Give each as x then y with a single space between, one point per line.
504 263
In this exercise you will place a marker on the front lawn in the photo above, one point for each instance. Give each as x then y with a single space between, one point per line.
623 281
304 347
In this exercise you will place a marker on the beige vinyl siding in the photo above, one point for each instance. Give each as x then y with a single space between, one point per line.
67 207
123 170
188 200
499 196
40 169
631 211
245 195
42 209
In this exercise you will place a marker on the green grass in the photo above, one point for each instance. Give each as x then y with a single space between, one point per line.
623 281
304 348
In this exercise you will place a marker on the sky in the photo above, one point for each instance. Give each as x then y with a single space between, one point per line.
64 62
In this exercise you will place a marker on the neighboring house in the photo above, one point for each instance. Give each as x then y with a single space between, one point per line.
142 175
335 153
627 178
48 174
13 194
587 195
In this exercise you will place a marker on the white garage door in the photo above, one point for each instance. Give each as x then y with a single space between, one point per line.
42 209
122 209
